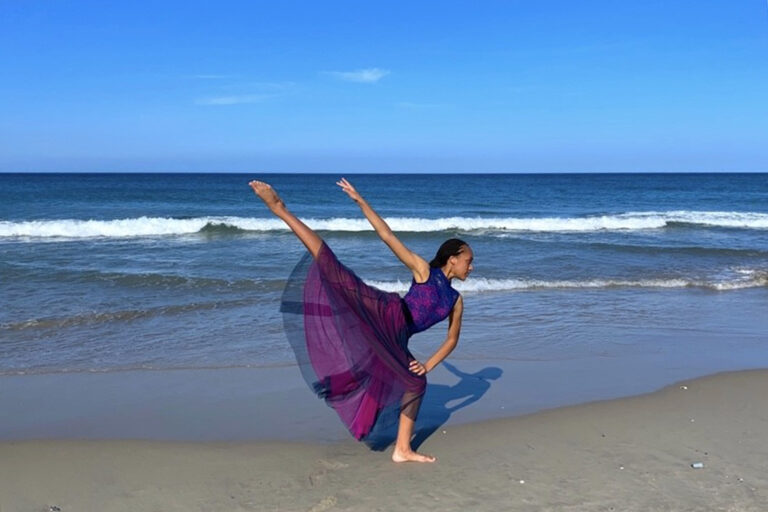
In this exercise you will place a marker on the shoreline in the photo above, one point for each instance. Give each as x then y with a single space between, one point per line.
275 404
632 453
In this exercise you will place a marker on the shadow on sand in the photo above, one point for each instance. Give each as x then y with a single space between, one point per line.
435 409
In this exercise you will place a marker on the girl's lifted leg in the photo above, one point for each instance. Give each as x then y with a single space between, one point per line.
308 237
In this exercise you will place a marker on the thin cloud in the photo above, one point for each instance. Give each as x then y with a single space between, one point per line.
233 100
262 86
417 106
212 77
367 76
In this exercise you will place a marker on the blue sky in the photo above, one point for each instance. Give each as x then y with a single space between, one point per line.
514 86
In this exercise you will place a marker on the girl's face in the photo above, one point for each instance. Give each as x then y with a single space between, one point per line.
462 263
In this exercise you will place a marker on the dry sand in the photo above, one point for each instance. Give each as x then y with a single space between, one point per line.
625 454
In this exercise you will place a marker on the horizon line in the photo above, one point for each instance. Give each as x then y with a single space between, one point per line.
352 173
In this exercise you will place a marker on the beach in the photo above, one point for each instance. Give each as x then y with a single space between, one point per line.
632 453
144 363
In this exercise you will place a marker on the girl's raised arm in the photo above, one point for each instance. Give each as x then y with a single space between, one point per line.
413 261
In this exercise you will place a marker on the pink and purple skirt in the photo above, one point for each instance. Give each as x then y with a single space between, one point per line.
351 342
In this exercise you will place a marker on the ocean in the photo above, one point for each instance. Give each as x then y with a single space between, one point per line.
112 272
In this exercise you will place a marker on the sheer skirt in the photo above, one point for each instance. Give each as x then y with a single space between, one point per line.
351 342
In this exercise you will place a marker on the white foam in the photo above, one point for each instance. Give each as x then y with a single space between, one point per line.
749 220
120 228
164 226
479 285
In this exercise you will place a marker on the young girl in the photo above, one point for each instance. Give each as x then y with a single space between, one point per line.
355 336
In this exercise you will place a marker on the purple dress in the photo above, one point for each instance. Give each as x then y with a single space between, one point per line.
351 339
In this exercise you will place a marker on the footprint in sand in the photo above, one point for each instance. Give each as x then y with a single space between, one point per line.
325 504
317 477
332 464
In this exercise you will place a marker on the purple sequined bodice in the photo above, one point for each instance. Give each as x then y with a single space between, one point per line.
431 301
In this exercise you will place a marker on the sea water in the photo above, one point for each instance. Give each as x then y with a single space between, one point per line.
108 272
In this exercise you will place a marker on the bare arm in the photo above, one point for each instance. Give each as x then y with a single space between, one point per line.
454 328
413 261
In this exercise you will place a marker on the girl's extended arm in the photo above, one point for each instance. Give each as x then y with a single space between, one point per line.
454 328
416 263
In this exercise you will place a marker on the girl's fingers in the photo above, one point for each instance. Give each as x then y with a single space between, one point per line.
417 368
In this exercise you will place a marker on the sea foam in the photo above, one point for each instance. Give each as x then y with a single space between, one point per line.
166 226
749 279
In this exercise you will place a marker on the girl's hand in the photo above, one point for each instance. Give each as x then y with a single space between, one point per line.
417 368
349 189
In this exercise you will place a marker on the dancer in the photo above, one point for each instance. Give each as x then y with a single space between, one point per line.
355 336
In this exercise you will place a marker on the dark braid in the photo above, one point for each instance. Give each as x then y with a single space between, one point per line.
450 247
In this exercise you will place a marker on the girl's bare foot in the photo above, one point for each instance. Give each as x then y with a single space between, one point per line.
267 194
411 456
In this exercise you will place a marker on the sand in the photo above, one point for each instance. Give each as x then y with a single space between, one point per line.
624 454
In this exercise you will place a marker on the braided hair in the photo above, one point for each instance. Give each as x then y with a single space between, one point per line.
451 247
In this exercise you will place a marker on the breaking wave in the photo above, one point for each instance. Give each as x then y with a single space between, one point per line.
166 226
747 279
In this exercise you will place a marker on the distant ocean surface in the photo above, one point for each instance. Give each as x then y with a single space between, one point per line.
108 272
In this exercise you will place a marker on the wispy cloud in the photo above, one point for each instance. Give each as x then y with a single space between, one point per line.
368 75
245 92
233 100
211 76
276 87
417 106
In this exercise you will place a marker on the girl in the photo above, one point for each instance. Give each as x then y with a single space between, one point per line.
355 336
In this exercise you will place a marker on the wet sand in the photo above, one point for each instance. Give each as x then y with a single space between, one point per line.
624 454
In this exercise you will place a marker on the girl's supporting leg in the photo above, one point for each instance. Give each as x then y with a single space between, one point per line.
403 451
308 237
